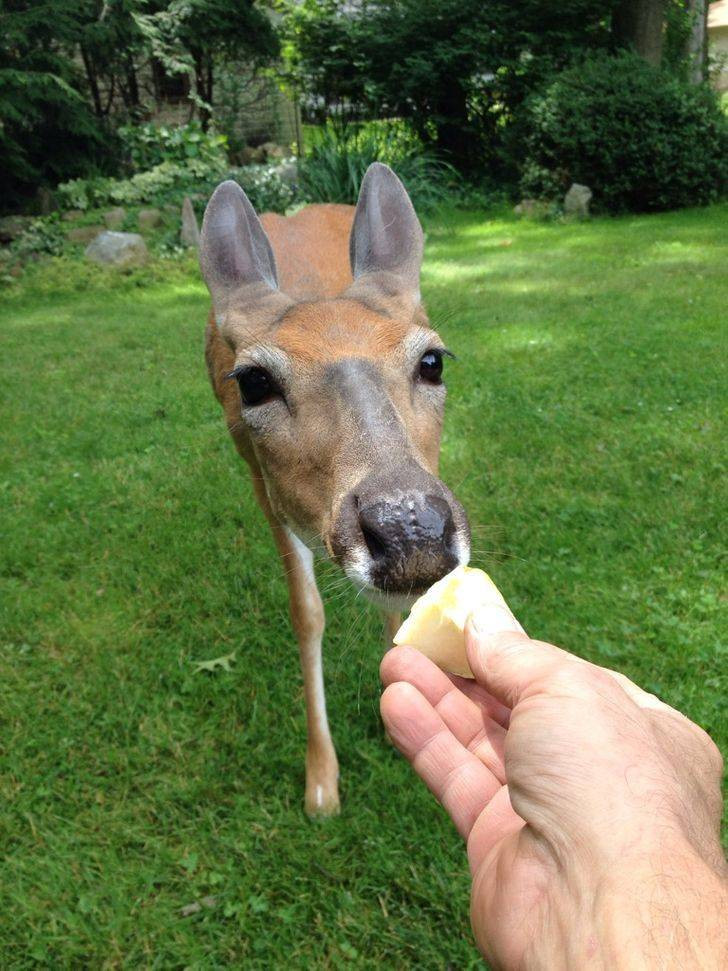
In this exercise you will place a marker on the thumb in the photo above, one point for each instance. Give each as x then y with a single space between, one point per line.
507 662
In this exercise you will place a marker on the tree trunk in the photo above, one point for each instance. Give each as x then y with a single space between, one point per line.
131 83
697 44
451 121
203 86
638 24
92 82
208 90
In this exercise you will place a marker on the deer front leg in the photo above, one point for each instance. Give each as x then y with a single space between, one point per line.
307 616
391 626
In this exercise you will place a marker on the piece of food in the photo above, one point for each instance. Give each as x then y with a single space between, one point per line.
436 623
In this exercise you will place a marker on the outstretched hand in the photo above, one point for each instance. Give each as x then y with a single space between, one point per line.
590 808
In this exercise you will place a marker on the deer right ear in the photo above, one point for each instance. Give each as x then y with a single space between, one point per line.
386 237
234 249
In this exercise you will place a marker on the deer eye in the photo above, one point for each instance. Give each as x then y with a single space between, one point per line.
431 367
256 385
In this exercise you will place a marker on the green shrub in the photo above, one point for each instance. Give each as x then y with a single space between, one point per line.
148 145
340 155
265 188
169 182
639 138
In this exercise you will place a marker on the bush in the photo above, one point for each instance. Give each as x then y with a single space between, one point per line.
148 145
168 183
639 138
340 155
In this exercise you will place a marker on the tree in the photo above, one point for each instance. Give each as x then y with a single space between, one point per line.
697 43
47 130
639 25
194 34
457 70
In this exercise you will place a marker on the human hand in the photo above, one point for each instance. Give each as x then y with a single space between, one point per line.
590 808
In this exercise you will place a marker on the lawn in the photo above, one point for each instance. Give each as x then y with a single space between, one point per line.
583 436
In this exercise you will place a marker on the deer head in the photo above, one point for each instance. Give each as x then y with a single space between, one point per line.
337 402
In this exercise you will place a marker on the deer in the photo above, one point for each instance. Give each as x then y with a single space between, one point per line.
329 375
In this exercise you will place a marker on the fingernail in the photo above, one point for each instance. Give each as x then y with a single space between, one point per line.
492 620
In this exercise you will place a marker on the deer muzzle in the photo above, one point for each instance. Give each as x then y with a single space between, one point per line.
398 538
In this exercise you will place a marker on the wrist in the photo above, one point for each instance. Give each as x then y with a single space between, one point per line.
648 909
662 910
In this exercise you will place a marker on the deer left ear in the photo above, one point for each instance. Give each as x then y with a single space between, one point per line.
234 249
386 237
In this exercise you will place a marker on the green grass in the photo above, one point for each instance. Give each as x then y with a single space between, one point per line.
583 435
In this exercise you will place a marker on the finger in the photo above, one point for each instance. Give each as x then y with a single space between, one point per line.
489 705
509 664
456 777
470 723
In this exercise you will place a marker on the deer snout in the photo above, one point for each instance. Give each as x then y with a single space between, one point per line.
398 542
410 541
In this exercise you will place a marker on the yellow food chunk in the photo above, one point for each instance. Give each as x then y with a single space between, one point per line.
436 623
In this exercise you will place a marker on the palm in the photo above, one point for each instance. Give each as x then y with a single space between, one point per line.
454 733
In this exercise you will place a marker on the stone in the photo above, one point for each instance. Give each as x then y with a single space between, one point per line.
190 231
576 201
248 155
288 172
122 250
532 208
114 218
257 155
45 200
271 151
72 214
149 218
11 227
83 234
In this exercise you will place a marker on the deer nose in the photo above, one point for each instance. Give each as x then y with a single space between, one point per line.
411 541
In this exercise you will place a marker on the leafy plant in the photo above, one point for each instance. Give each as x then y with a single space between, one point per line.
47 130
641 139
147 145
456 70
169 183
340 155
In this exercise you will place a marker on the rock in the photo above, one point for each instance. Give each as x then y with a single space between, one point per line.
248 155
114 218
288 172
255 156
72 214
83 234
149 218
576 200
270 151
121 250
532 208
190 231
45 200
11 227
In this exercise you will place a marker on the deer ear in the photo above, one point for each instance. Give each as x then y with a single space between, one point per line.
386 236
234 249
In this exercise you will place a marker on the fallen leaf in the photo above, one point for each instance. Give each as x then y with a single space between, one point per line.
194 908
223 662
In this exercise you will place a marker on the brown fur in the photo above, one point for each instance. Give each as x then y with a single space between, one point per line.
312 250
